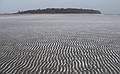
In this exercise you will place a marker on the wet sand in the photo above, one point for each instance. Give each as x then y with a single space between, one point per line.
60 44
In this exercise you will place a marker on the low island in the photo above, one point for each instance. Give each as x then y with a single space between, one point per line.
60 11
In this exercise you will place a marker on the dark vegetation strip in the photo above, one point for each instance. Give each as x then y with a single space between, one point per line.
60 10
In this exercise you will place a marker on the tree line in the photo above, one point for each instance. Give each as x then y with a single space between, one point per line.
60 10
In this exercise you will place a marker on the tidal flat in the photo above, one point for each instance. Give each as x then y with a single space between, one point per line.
60 44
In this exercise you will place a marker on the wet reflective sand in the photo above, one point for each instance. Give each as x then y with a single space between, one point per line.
60 44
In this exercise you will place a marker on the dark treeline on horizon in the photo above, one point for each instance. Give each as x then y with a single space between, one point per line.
60 10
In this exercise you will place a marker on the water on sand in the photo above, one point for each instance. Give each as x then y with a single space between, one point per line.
60 44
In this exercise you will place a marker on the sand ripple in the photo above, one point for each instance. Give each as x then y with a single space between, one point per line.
67 53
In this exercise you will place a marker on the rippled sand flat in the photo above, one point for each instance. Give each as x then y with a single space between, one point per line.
60 44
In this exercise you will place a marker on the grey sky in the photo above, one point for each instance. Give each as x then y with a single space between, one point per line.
106 6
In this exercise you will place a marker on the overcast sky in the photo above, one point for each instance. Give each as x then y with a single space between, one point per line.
105 6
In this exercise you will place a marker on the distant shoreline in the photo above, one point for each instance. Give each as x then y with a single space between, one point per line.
55 14
60 11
